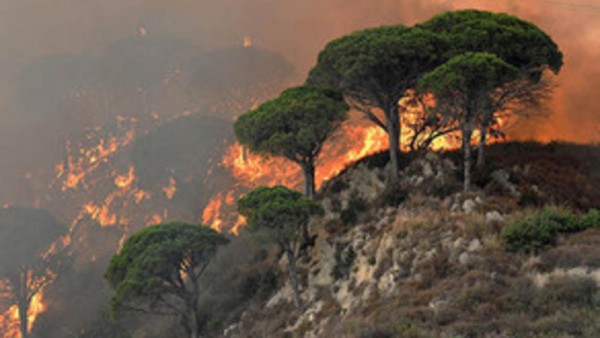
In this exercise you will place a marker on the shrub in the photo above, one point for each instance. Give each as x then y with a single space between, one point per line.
562 292
565 220
393 195
343 263
356 205
529 235
539 231
591 220
570 256
411 330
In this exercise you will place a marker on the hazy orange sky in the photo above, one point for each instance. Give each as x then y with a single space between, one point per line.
31 29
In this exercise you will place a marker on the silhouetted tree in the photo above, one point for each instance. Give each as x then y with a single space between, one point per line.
27 263
464 91
158 271
294 125
517 42
280 214
374 68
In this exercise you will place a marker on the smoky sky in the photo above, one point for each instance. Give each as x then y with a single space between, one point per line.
31 30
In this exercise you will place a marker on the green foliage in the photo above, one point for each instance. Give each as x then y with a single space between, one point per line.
379 62
464 90
529 235
591 220
566 221
278 212
294 125
375 67
149 265
469 74
541 230
518 42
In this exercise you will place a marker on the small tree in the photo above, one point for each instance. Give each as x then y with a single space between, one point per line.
374 68
158 271
517 42
27 264
463 89
295 125
280 214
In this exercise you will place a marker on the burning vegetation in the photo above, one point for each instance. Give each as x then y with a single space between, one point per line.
161 147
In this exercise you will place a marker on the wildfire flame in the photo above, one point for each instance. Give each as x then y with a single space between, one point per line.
170 189
125 181
351 143
86 161
9 320
212 213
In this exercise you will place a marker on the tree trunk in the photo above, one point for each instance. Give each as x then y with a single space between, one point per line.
293 277
467 131
308 169
481 148
393 131
191 301
23 306
194 331
309 179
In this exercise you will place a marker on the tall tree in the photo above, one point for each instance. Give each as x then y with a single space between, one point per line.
374 68
464 90
27 264
517 42
294 125
159 271
281 215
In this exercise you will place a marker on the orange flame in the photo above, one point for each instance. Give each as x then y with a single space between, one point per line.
10 321
212 213
349 144
76 167
125 181
170 189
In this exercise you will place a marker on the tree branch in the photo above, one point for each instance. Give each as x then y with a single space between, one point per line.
361 107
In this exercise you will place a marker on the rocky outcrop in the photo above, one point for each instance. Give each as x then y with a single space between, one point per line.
432 264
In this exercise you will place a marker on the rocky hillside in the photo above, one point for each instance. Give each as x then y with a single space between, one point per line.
421 259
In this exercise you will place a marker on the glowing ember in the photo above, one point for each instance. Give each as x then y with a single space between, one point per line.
170 189
125 181
87 160
155 219
247 42
100 213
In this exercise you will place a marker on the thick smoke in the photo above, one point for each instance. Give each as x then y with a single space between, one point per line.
68 31
71 65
